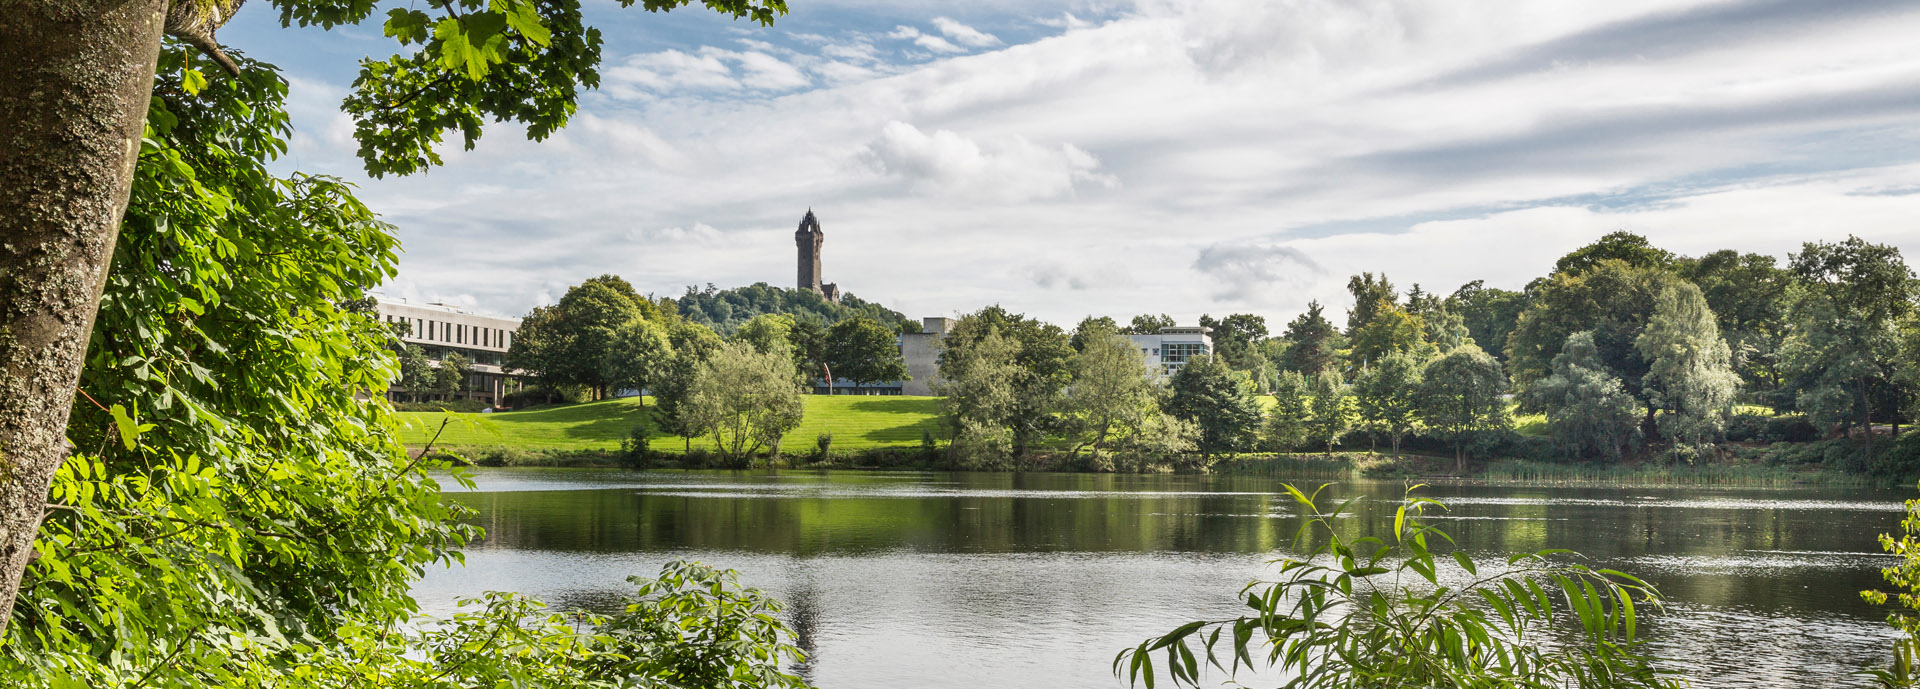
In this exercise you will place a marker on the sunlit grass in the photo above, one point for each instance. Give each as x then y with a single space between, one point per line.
857 422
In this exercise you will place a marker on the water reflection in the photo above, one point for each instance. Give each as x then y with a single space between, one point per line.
940 580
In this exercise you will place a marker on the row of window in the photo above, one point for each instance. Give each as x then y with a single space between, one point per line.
454 333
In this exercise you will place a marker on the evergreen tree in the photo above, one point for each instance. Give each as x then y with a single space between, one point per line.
1369 293
1208 394
1310 342
1330 414
1286 423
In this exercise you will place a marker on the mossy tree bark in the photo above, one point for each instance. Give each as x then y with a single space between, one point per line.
76 77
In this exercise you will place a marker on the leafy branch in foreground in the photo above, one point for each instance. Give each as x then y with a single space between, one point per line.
1371 613
1905 576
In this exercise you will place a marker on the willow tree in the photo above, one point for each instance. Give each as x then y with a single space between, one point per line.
80 76
1690 378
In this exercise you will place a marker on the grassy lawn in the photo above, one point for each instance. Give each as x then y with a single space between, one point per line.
856 422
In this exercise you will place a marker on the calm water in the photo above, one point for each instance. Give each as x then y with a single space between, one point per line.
1036 580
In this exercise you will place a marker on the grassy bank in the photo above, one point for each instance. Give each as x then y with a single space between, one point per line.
594 428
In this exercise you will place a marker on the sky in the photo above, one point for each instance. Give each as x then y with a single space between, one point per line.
1075 158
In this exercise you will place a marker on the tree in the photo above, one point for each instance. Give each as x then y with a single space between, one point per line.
691 344
80 83
1690 376
1233 338
1386 396
1748 296
1460 399
1850 297
1489 314
235 490
1113 390
1330 415
638 356
1613 299
1089 326
1310 342
768 334
1148 324
1392 331
979 396
1043 355
1207 394
451 377
864 351
1368 294
568 343
1619 245
1286 425
416 371
726 310
746 399
1588 409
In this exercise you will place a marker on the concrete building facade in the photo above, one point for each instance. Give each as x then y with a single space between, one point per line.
441 330
1166 351
922 352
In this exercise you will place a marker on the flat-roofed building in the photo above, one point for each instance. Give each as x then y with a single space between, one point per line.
1166 351
441 330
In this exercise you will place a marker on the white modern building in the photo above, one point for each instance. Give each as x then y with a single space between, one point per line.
1171 348
440 330
922 352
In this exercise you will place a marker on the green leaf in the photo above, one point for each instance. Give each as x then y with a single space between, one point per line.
129 430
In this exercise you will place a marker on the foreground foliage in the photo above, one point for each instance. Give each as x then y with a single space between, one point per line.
1368 612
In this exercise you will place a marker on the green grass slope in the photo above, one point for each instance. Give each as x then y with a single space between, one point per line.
857 422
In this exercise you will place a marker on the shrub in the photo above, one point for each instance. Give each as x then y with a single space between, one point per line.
822 446
1340 617
635 453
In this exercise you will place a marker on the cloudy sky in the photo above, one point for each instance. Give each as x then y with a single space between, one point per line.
1074 158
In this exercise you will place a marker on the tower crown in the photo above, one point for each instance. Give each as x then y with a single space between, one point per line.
808 225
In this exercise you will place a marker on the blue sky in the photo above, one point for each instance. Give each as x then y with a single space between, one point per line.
1074 158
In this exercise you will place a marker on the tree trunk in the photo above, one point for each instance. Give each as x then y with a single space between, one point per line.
1866 417
75 80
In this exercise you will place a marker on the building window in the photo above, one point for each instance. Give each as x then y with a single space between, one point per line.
1177 353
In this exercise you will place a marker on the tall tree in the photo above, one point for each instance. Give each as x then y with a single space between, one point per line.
745 399
416 371
566 344
640 354
1208 394
1043 355
80 81
1748 295
1113 391
1233 338
979 396
1851 296
1089 326
1619 245
1147 324
1489 314
691 344
1392 331
1690 377
864 351
1285 428
1311 345
1386 396
451 378
1461 399
768 333
1330 415
1368 293
1588 410
1613 299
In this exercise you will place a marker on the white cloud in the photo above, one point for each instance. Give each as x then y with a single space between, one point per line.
945 162
1439 142
965 35
932 43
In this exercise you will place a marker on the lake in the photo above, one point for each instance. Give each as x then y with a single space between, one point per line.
900 579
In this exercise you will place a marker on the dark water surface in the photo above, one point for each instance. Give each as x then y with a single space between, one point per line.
1036 580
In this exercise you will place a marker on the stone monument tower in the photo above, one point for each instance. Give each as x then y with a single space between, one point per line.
809 238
